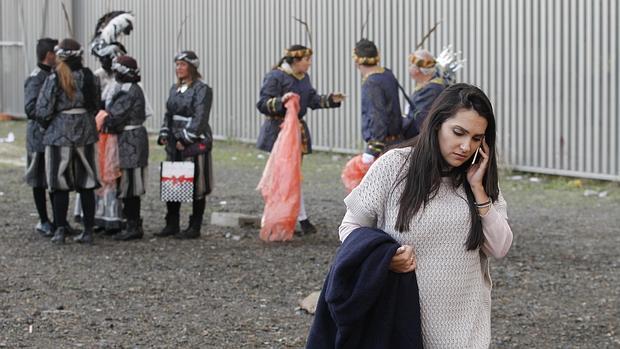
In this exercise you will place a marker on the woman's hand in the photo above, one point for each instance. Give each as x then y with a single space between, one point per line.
287 96
476 172
180 146
162 140
100 119
404 260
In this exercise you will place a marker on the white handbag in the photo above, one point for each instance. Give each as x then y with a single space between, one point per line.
177 181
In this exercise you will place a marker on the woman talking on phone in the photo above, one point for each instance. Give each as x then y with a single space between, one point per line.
446 211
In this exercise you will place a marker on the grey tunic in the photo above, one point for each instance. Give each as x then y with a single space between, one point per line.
126 116
32 87
65 129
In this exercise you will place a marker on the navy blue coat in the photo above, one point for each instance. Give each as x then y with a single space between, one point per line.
422 100
275 84
363 304
381 119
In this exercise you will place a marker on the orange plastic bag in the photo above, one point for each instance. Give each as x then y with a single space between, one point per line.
108 161
280 184
353 172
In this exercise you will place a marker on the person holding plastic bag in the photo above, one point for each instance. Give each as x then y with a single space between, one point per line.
288 77
381 120
280 184
187 136
125 116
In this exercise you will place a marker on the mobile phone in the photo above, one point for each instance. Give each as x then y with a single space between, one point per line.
476 155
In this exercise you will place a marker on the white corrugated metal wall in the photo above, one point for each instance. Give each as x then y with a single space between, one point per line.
21 24
550 67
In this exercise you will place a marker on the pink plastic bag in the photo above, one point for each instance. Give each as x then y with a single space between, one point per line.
353 172
100 119
280 184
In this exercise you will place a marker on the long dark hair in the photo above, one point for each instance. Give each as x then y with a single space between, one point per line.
423 176
65 66
290 60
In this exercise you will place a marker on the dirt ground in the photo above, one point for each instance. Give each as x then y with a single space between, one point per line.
558 287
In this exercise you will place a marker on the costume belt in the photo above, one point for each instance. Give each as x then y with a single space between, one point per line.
181 118
74 111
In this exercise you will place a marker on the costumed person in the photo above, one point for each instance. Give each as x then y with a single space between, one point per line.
185 126
35 165
431 75
288 77
438 196
125 117
381 119
429 83
105 46
66 106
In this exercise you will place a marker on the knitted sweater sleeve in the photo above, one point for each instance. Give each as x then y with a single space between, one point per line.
367 202
497 232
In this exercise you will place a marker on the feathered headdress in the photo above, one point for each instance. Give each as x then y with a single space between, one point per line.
450 62
107 31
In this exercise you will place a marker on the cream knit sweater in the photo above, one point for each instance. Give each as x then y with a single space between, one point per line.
454 284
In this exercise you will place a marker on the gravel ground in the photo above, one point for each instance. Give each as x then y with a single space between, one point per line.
558 287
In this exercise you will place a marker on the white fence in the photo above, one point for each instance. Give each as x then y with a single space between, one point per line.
549 66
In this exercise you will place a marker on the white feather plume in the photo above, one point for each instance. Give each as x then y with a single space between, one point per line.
115 27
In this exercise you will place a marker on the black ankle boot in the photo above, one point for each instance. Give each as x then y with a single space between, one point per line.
70 230
45 229
132 231
307 227
193 230
171 228
86 237
59 236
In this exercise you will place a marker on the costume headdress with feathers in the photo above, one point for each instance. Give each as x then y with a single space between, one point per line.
448 61
107 31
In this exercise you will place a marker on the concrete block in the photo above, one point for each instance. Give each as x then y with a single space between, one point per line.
235 220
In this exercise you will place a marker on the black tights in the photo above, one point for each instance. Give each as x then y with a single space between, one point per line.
131 208
40 203
198 207
61 206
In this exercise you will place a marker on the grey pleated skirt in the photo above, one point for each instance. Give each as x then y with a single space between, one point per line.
35 170
132 182
71 168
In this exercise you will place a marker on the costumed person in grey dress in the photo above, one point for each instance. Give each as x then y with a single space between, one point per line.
289 76
186 125
66 106
35 165
126 115
438 196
